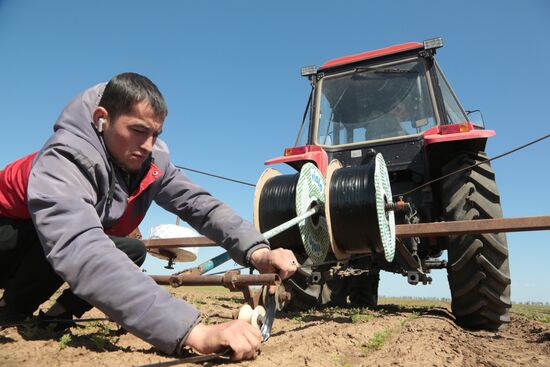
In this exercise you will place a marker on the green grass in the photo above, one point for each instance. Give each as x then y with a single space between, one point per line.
101 335
359 315
335 358
412 316
377 341
64 341
359 318
379 338
535 312
302 316
411 302
355 315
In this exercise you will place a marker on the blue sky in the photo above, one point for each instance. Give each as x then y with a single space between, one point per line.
229 71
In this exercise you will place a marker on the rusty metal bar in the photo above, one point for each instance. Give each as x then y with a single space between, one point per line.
162 279
519 224
229 280
199 241
410 262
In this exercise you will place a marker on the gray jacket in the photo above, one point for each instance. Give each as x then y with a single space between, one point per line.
68 199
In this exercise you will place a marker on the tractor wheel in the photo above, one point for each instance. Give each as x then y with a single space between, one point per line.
303 295
364 290
478 270
306 296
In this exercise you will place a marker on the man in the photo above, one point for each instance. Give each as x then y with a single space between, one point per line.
388 125
96 177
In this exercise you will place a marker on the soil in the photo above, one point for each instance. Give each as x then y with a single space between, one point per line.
398 333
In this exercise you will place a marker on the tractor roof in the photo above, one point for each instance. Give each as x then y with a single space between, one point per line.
372 54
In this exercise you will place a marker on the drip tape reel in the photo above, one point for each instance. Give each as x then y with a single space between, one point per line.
356 219
356 212
279 198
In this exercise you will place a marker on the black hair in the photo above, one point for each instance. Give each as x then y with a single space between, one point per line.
124 91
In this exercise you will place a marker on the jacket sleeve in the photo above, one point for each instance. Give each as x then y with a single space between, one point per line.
61 199
208 215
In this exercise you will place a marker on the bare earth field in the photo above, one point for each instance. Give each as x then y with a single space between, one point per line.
397 333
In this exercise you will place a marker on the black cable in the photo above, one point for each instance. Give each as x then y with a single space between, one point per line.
36 320
277 205
353 213
396 195
472 166
193 359
216 176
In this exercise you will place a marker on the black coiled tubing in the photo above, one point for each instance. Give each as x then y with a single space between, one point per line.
278 205
353 215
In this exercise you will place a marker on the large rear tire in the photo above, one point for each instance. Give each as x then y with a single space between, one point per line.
303 296
355 291
364 290
478 270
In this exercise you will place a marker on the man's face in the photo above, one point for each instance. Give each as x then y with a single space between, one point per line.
130 138
399 112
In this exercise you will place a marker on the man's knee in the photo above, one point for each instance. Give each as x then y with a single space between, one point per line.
139 252
132 247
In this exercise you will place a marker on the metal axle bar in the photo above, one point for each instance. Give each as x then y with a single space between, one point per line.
519 224
228 280
497 225
199 241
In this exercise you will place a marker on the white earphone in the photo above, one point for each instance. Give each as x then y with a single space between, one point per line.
100 124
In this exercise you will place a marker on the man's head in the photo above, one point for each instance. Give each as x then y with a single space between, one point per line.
400 112
131 113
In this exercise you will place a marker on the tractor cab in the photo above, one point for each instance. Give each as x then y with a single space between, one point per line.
385 94
371 103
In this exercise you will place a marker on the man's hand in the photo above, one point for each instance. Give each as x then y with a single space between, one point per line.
279 261
243 338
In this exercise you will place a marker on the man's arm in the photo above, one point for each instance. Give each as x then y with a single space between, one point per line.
62 198
208 215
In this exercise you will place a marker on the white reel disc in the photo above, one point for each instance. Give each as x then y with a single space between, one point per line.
310 190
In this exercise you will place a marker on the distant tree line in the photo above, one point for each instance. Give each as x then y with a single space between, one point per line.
444 299
531 303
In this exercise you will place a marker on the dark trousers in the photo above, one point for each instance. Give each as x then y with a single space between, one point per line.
27 277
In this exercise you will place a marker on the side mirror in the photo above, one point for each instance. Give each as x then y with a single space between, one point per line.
476 117
417 124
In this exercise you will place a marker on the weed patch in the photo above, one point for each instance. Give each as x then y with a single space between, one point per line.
377 341
64 341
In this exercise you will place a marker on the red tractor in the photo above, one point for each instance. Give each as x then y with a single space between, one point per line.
396 101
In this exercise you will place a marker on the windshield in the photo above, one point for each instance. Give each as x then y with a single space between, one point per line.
374 103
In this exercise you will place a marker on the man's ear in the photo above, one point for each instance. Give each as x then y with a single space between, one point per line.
100 118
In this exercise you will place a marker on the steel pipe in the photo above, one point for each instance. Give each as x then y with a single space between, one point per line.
229 280
161 279
519 224
474 226
199 241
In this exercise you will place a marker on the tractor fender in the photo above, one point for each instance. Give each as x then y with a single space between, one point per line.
296 157
455 132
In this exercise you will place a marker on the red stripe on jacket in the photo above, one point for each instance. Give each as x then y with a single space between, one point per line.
13 188
130 220
14 179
